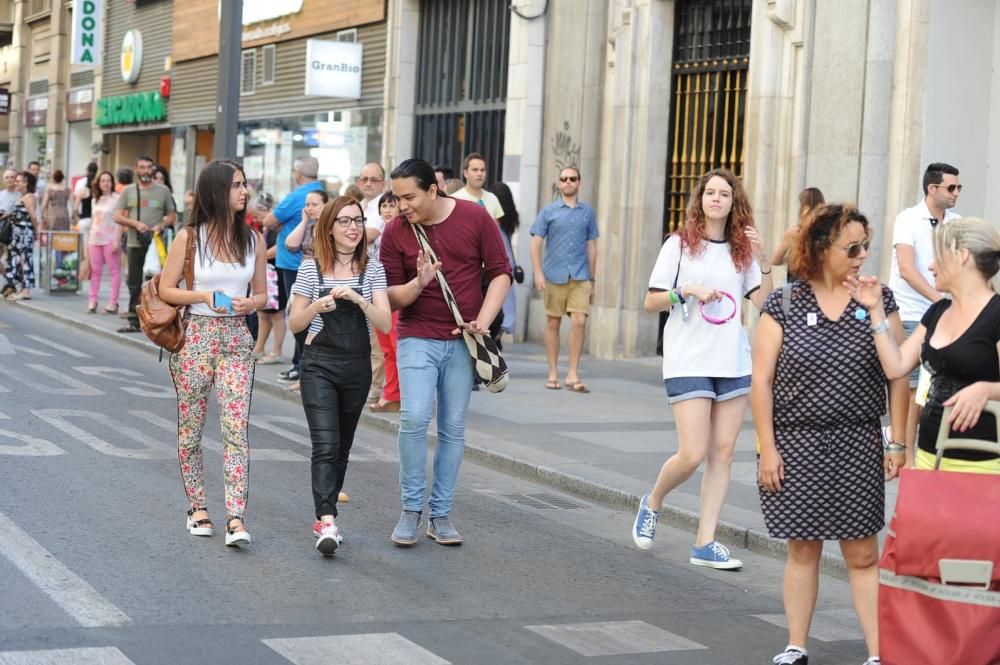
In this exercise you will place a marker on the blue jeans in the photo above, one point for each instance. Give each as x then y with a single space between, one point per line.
429 369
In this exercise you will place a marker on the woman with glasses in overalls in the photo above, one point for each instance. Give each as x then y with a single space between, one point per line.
337 296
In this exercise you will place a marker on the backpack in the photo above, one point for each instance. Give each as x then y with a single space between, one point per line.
163 323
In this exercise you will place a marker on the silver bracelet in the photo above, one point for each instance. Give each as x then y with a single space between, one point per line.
894 447
881 327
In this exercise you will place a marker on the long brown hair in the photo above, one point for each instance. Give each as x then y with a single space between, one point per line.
740 217
323 243
810 198
226 230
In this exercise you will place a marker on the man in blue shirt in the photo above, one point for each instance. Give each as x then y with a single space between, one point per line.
568 229
283 219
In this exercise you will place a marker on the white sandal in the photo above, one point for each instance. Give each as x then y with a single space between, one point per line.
202 527
238 537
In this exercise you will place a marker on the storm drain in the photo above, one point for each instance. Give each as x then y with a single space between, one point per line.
543 501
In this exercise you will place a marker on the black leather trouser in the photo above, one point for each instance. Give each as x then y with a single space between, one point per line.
334 389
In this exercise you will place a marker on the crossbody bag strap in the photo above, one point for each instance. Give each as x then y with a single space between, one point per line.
319 273
138 203
449 297
189 260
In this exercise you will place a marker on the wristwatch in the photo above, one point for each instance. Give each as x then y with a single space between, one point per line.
881 327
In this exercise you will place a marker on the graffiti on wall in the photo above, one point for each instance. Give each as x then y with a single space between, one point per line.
565 152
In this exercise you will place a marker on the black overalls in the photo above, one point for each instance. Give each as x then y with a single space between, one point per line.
336 374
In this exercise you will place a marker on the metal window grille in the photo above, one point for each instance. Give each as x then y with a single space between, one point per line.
708 99
81 79
39 87
248 72
462 82
269 63
348 35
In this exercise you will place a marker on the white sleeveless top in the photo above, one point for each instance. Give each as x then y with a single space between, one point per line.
213 275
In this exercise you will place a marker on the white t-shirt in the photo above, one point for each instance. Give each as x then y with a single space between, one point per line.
373 220
488 200
694 347
913 227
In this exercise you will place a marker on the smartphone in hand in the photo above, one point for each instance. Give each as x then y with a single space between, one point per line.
220 300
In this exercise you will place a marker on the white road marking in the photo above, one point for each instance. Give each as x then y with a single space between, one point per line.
133 386
80 600
256 454
80 656
614 638
75 388
827 625
6 348
149 448
31 351
369 649
58 346
4 416
33 447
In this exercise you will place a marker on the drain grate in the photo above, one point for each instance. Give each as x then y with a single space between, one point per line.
543 501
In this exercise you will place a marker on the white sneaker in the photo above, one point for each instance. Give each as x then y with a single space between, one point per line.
329 539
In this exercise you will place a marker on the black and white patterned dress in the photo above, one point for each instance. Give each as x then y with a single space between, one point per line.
829 396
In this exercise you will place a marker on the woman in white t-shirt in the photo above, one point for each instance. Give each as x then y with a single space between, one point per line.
229 257
700 277
339 295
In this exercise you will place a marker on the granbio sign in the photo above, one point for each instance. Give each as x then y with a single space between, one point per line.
333 69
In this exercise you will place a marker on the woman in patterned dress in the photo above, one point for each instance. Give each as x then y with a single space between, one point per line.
20 254
818 395
55 203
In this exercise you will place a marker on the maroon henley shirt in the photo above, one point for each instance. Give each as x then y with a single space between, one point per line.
466 241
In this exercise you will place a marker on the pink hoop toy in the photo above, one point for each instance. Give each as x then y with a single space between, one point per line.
712 319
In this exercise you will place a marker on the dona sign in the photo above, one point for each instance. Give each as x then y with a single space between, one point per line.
87 20
333 69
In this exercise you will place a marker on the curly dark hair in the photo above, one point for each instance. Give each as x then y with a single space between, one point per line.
816 235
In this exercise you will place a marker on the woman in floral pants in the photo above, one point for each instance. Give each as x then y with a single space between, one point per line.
218 348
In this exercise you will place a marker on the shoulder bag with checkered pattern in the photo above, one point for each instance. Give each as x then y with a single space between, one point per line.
489 364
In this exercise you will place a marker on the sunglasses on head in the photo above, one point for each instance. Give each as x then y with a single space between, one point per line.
951 188
569 178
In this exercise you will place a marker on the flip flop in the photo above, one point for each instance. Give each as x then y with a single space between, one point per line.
578 387
553 385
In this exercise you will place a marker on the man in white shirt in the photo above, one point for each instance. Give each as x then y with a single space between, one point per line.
371 182
474 172
911 281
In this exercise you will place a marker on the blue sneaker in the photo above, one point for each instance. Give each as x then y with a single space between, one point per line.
644 527
714 555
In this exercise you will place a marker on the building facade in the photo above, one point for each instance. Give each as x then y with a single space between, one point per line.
853 97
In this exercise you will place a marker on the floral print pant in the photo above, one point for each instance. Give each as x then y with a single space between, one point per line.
216 350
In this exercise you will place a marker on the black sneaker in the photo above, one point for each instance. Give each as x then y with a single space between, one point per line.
791 656
289 376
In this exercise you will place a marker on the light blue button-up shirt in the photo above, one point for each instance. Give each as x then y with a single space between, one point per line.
566 231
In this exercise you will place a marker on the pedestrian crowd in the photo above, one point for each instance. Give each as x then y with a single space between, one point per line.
387 284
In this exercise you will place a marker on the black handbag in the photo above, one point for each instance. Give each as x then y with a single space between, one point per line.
519 274
6 231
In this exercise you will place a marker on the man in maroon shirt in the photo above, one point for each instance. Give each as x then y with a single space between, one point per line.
432 358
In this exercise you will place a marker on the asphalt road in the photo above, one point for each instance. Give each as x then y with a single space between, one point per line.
96 567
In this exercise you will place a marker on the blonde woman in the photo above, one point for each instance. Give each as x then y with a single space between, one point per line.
958 339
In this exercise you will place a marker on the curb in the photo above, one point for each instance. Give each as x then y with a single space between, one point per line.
686 520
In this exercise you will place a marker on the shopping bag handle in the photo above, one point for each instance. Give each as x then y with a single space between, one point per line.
946 442
966 572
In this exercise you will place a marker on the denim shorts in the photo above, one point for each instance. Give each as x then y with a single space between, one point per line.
717 389
910 327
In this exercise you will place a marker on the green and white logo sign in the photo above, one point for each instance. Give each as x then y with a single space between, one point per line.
87 22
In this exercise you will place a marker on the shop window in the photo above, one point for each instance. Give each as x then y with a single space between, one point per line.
269 57
248 72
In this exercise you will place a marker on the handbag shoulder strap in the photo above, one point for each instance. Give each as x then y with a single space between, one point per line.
138 203
680 256
449 297
189 260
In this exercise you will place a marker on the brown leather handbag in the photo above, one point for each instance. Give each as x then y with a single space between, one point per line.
163 323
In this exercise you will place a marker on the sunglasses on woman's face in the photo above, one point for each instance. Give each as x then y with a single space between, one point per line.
854 249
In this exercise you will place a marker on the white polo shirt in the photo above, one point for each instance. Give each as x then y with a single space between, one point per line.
373 220
913 227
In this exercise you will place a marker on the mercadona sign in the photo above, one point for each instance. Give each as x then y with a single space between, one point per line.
87 18
131 109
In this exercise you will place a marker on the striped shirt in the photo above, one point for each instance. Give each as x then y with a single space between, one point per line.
307 284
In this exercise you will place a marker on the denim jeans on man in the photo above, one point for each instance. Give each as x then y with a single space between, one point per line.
432 369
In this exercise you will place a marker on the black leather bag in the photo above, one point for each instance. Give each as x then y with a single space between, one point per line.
6 231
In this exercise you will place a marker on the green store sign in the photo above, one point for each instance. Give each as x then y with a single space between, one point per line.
131 109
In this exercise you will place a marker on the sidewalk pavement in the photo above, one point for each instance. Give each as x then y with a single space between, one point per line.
606 446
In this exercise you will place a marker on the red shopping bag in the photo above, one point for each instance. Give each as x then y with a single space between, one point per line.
939 576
